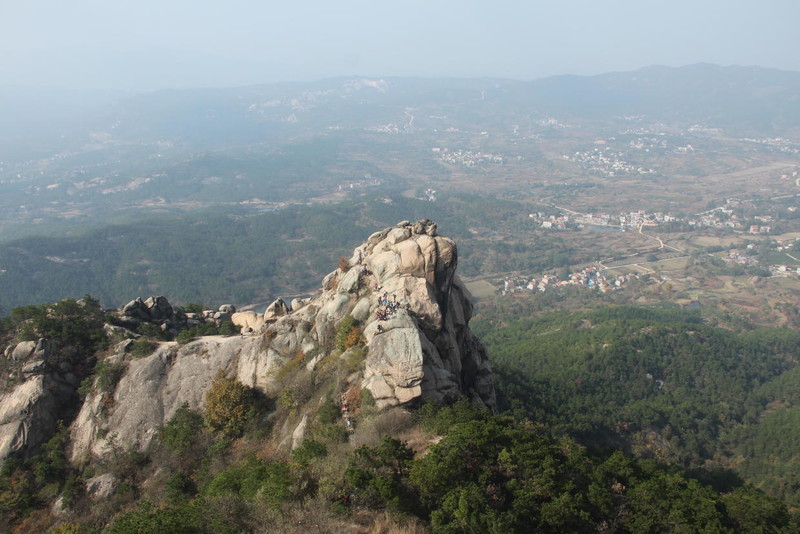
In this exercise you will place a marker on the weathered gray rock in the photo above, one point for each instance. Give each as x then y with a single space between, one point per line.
424 348
101 486
394 368
249 320
299 433
159 309
59 507
29 413
155 310
296 304
136 309
36 367
222 316
278 308
22 351
154 387
193 319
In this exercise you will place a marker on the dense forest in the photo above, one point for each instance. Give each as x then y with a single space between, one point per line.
659 384
246 259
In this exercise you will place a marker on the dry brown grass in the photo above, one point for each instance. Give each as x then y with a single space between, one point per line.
481 289
391 422
352 396
37 521
385 524
317 517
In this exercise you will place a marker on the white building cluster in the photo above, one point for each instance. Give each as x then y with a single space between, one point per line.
606 162
468 158
590 277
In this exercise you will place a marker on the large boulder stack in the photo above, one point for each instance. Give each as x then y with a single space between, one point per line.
156 310
418 338
400 287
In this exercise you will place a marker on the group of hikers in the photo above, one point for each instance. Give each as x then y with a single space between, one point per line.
346 414
389 307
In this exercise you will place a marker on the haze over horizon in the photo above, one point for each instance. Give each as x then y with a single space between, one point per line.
148 45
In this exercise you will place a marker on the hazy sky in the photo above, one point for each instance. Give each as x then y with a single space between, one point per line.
149 44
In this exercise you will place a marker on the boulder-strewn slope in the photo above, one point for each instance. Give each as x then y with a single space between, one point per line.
399 287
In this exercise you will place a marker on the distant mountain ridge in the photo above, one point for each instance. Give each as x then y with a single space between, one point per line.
703 91
766 99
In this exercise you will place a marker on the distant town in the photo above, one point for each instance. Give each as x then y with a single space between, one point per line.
591 277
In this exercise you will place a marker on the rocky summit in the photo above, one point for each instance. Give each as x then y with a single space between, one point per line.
403 307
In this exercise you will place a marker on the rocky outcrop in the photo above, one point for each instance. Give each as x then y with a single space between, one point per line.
400 287
101 487
29 413
418 338
277 309
157 310
248 321
154 387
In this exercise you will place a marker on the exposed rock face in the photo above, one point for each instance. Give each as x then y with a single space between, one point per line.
423 346
102 486
275 310
154 387
248 321
400 286
29 413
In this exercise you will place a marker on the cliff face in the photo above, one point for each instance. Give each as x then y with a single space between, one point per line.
416 313
399 287
46 392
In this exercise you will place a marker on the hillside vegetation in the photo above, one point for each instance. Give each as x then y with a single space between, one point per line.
455 469
214 257
660 384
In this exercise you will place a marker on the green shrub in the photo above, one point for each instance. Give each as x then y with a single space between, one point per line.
329 412
108 375
288 369
347 333
367 400
332 433
181 431
17 489
377 474
142 347
227 328
69 528
147 519
355 359
439 419
192 307
309 450
153 331
180 487
286 399
204 329
270 481
51 464
75 324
